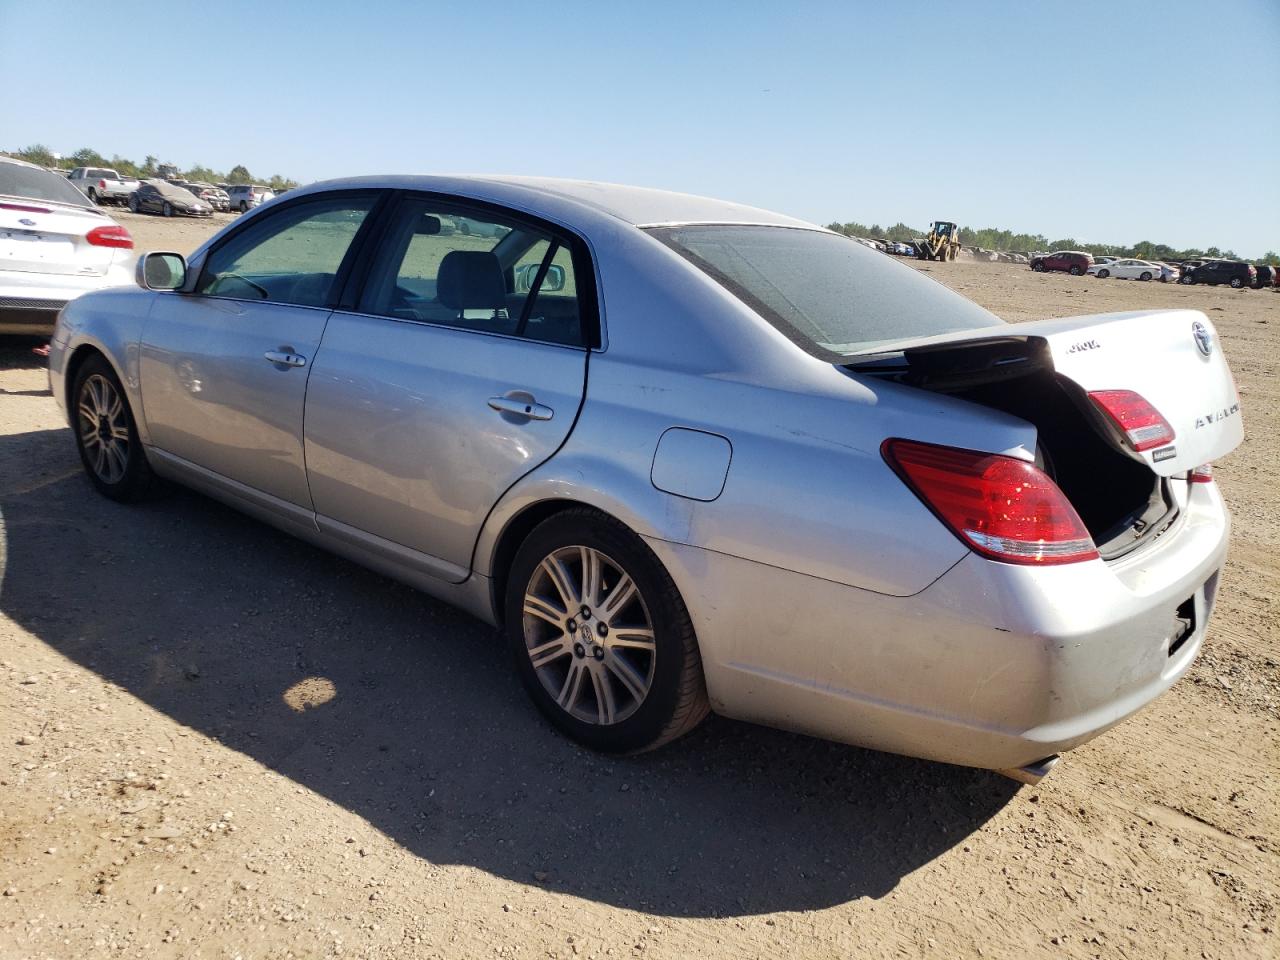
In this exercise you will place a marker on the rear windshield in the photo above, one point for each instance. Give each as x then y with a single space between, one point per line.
830 296
19 180
103 175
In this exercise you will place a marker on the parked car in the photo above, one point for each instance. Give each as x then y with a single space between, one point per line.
218 199
1126 269
1267 276
103 185
1214 272
54 246
796 480
244 197
1073 262
1168 272
168 199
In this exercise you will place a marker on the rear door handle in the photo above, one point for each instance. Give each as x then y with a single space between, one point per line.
528 409
286 358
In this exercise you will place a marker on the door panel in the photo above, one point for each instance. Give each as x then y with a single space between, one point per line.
401 441
224 369
211 397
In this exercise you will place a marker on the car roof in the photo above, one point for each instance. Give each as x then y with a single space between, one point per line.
639 206
24 163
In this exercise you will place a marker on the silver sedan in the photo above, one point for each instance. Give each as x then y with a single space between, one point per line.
688 455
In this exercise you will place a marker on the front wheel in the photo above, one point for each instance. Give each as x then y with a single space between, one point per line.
167 210
133 203
1103 274
601 638
1074 271
1038 267
1187 280
106 435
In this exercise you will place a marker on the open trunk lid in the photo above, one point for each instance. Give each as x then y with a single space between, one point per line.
1171 358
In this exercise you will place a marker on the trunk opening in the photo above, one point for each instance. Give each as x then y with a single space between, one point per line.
1121 500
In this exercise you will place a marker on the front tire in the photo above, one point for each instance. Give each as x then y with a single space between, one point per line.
133 203
1187 280
601 638
1103 274
107 436
1038 267
1074 271
167 210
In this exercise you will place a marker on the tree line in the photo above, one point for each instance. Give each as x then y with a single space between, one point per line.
150 167
1007 241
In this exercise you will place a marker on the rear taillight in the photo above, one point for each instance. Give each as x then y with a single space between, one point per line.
102 184
1201 474
112 236
1140 422
1000 507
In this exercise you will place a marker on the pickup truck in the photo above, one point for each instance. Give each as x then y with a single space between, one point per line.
103 185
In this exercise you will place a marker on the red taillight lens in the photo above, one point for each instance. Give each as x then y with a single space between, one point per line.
1139 421
102 184
1002 508
1201 474
112 236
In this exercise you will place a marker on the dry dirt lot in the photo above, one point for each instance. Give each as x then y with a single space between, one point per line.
218 742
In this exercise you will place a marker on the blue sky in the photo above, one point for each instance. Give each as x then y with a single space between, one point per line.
1110 122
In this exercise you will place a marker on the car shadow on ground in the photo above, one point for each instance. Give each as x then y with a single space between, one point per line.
407 713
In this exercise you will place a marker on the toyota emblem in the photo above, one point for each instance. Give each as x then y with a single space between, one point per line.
1203 338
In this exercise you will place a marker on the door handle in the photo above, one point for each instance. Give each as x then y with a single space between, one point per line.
528 409
286 358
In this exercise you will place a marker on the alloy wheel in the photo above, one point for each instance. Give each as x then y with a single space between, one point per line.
104 428
589 635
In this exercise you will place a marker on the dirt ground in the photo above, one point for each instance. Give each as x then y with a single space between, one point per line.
218 742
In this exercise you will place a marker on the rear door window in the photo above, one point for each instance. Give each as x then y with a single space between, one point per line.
477 270
293 256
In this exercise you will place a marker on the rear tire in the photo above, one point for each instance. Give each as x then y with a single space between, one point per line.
167 210
133 203
630 685
1236 283
93 197
1038 267
1187 279
107 436
1146 275
1103 274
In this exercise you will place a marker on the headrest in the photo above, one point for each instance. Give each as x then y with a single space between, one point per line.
471 280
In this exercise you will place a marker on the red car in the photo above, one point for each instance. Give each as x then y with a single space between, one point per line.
1072 261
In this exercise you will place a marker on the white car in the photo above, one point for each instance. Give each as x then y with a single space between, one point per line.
1126 270
54 246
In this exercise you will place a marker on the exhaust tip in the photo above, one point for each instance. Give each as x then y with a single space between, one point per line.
1032 773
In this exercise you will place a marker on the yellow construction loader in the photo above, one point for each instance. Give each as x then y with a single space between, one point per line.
941 243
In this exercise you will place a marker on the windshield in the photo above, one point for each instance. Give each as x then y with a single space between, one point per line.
20 180
829 295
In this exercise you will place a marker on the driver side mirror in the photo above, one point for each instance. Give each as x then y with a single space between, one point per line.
161 271
528 273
